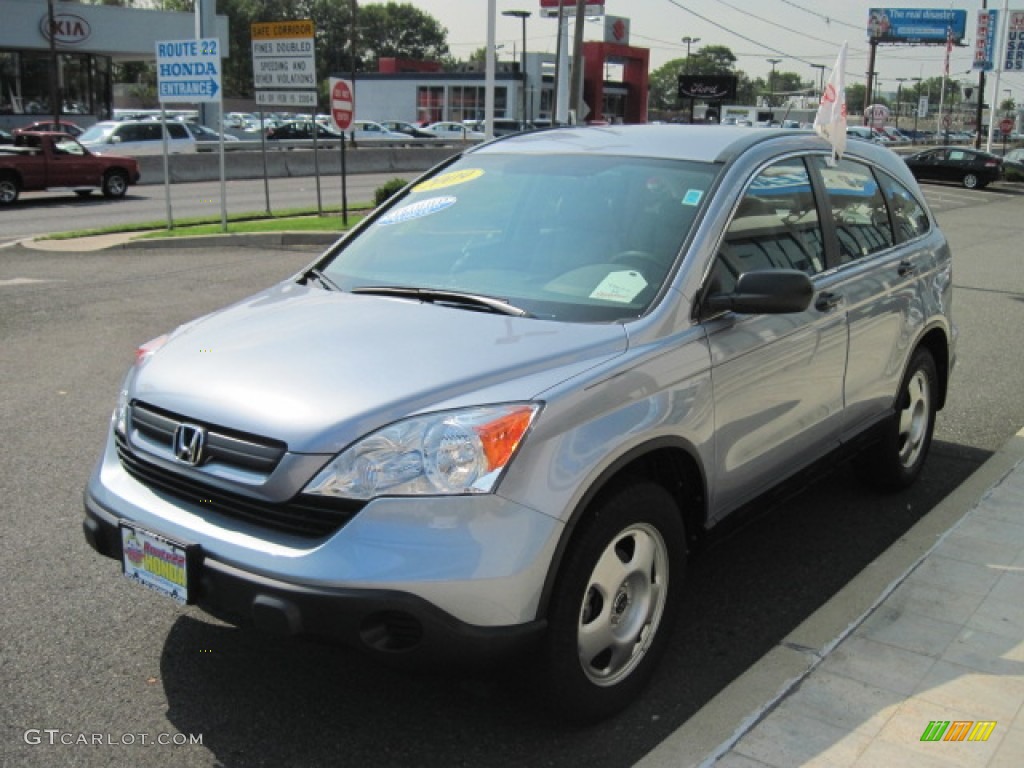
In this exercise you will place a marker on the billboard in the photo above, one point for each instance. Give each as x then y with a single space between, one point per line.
916 25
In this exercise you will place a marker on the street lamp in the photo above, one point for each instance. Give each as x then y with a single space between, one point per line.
821 79
899 98
689 41
522 16
771 82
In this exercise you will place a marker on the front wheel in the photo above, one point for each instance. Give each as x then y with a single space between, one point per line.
971 181
9 190
115 184
898 459
614 603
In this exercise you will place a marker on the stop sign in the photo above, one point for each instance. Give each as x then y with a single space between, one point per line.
342 103
1006 125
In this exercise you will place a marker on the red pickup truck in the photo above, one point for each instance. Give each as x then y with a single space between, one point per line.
47 160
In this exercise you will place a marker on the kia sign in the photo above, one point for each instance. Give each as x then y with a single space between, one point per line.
343 103
68 28
877 114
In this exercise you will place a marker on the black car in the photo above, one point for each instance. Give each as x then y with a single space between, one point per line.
972 168
300 129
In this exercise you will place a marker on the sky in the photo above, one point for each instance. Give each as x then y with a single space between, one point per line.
799 32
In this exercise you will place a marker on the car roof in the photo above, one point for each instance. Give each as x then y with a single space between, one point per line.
710 143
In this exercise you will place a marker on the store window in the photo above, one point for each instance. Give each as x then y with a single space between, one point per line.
84 83
10 89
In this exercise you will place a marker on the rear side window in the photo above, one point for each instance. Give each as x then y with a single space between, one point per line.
908 216
858 208
775 227
177 131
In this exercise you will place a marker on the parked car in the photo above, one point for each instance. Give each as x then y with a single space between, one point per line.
137 137
499 414
970 167
208 136
447 129
5 137
300 130
865 133
48 126
368 129
39 161
1013 165
410 129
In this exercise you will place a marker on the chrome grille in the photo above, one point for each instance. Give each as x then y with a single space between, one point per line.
306 516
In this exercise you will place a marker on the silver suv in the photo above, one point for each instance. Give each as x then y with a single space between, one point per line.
496 416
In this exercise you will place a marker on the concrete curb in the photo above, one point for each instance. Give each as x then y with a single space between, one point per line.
724 720
127 241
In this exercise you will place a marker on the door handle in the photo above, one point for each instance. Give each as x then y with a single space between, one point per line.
827 301
905 268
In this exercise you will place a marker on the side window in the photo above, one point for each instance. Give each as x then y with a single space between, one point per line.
908 216
177 131
152 132
131 132
858 208
775 227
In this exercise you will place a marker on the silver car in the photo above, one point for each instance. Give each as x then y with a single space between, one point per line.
497 416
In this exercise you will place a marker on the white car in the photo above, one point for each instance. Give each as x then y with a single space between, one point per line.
452 130
137 137
368 129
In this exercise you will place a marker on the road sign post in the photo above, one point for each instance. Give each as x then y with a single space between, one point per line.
189 72
343 107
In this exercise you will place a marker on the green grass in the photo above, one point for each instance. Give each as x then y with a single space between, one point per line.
297 219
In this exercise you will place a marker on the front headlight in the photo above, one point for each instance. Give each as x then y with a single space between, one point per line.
453 452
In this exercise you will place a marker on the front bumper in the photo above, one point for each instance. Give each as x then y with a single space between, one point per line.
401 627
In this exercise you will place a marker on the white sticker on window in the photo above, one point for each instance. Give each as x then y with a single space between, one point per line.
416 210
621 287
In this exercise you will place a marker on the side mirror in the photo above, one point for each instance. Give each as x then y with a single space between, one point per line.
765 292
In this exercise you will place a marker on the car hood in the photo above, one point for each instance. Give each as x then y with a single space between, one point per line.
318 369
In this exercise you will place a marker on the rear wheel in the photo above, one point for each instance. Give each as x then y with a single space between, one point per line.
614 603
971 181
115 184
899 457
9 189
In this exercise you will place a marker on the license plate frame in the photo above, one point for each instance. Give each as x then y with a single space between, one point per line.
164 565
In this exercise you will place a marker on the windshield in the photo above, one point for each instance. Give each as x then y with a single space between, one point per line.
581 238
98 132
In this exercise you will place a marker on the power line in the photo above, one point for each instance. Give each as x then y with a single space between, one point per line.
823 17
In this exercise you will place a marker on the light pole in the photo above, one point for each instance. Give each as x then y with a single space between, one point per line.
522 16
689 41
771 82
821 79
899 98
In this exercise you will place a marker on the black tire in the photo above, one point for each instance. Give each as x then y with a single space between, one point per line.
9 189
115 184
897 460
614 603
971 181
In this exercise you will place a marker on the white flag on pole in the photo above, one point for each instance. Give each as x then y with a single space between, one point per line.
830 122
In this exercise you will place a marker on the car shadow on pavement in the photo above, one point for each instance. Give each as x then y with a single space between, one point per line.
261 700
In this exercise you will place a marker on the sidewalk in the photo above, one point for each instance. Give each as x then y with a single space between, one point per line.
929 634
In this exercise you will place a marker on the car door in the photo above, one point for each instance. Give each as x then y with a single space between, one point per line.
778 379
71 167
928 165
878 223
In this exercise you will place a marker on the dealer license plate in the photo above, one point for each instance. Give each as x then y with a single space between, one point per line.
155 562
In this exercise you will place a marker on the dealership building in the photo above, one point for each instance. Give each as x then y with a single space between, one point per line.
87 41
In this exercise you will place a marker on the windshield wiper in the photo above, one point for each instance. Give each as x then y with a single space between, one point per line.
440 296
314 274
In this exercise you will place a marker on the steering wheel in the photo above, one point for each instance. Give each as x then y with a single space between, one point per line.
639 259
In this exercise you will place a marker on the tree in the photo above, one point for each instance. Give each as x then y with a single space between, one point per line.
400 30
664 81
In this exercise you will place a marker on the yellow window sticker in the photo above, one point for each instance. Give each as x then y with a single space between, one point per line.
449 180
621 287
